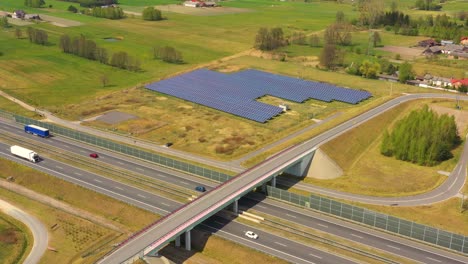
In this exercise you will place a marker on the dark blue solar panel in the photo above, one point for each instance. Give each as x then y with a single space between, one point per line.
236 93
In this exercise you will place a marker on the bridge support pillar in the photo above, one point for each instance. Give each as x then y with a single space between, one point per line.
235 206
264 188
188 241
273 181
177 241
301 167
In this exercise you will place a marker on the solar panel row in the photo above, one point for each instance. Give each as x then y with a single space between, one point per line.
236 93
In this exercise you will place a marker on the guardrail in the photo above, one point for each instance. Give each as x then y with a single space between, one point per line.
367 217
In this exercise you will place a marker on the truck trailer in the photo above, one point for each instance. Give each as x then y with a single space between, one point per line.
36 130
24 153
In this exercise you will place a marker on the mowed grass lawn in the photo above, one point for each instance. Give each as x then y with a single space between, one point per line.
366 171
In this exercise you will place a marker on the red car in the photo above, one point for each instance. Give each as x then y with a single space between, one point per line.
94 155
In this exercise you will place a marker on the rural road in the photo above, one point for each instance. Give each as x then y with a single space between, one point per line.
38 230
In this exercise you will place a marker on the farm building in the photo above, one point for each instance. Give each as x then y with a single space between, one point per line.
19 14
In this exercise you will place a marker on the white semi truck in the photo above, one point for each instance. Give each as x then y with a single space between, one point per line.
24 153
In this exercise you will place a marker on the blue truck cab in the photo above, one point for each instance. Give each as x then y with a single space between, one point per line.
36 130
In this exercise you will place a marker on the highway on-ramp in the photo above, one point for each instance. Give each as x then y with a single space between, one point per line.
38 230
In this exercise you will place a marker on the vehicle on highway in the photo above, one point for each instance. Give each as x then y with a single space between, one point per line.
94 155
251 234
168 144
200 188
37 130
24 153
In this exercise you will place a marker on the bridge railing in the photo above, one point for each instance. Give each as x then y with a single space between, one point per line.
375 219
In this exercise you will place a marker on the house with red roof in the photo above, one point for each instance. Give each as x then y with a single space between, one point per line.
457 83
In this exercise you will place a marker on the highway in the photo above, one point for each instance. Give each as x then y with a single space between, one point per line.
286 249
38 230
343 229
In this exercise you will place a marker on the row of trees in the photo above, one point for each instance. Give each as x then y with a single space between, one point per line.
423 137
109 12
93 3
270 39
167 54
152 14
82 47
427 5
34 3
37 36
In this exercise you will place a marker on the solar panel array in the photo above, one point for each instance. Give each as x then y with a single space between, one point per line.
236 93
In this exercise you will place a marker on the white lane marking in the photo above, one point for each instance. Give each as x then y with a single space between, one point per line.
58 167
218 222
142 196
140 169
291 216
322 225
281 244
165 204
186 183
390 246
261 206
162 176
66 146
79 174
98 180
357 236
121 163
82 151
118 188
433 259
315 256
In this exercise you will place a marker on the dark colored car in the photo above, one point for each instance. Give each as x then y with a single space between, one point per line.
94 155
200 188
168 144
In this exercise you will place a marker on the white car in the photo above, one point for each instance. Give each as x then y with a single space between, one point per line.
251 234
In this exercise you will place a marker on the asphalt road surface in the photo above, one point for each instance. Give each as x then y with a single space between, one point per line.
38 230
153 203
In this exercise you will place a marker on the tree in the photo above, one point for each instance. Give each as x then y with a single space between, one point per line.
340 17
331 56
34 3
151 14
405 72
370 11
269 39
375 38
72 9
314 41
18 33
369 69
104 80
338 33
167 54
4 22
423 137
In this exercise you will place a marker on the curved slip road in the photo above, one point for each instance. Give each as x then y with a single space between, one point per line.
38 230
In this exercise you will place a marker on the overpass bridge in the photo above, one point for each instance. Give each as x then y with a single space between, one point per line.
184 219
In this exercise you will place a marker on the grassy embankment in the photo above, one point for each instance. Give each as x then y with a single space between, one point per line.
15 239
